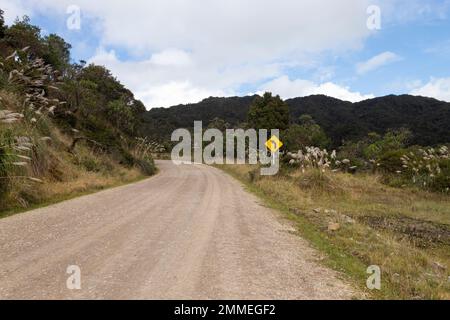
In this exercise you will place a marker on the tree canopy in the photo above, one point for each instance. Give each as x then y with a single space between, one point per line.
307 133
268 112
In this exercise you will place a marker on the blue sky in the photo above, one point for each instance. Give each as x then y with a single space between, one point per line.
179 51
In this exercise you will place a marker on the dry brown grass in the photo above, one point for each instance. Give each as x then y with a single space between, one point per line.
404 231
59 174
65 180
85 182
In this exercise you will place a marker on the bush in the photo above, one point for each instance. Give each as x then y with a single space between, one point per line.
390 162
307 133
92 161
91 164
254 175
441 182
8 156
321 182
147 166
427 169
4 181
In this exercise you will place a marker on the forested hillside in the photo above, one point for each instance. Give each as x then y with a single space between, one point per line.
65 127
160 122
428 119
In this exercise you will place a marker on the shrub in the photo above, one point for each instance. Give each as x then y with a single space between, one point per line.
320 182
428 169
390 161
254 175
147 166
15 157
315 158
441 181
91 164
4 181
393 140
307 133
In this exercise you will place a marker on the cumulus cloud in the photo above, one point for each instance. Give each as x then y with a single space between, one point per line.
413 10
376 62
13 10
174 93
214 46
287 88
171 57
440 48
230 31
438 88
199 48
162 80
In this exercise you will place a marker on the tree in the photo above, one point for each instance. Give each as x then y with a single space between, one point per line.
23 34
306 133
218 123
2 24
57 52
386 148
121 115
268 112
391 141
107 84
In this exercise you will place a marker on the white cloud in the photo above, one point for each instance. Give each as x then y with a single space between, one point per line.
441 48
13 10
438 88
405 11
231 31
198 48
324 73
287 88
214 45
171 57
162 80
174 93
376 62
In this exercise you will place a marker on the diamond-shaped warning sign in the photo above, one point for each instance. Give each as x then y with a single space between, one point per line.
274 144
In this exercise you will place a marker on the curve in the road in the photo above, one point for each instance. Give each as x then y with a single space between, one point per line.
191 232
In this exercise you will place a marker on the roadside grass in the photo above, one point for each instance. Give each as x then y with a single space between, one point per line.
64 176
161 156
39 166
403 231
86 183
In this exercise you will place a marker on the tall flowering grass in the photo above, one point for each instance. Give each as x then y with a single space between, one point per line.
36 80
321 159
425 167
9 117
15 161
33 80
142 152
145 147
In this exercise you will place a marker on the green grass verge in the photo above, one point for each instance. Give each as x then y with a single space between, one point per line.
72 195
350 266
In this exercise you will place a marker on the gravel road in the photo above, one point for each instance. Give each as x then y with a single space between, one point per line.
191 232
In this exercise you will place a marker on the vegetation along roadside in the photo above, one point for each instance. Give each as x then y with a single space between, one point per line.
65 128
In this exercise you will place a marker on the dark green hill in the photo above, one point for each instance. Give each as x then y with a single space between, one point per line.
427 118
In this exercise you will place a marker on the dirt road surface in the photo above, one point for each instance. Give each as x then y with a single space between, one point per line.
191 232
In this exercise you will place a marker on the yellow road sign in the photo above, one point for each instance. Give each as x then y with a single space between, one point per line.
274 144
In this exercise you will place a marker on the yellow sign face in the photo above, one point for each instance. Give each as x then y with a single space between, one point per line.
274 144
